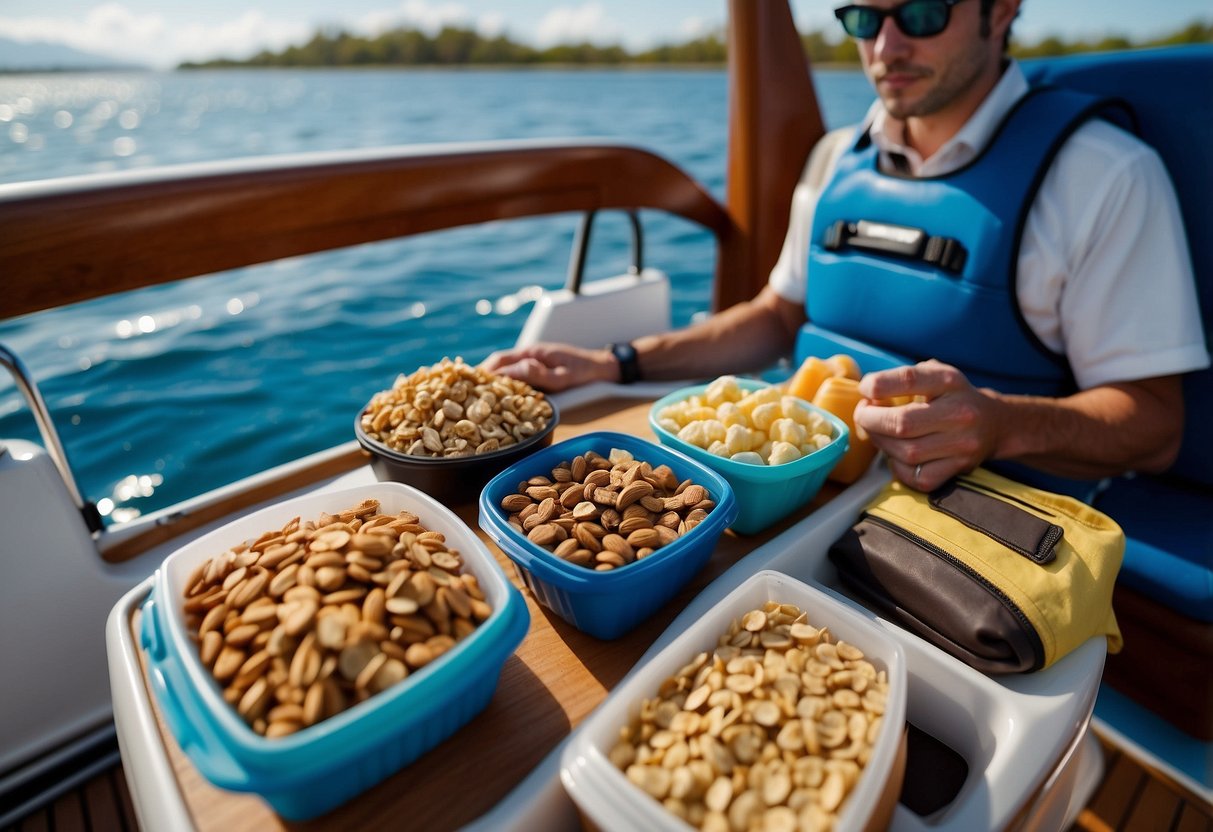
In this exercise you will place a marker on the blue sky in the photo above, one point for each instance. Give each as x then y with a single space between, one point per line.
164 32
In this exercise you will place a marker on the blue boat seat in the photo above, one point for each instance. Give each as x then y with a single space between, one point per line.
1168 519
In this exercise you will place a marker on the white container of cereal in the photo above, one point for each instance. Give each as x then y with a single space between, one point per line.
611 801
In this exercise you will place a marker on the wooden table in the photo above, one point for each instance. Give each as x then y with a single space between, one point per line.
554 679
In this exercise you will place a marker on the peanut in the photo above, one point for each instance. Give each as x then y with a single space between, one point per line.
350 597
760 732
453 409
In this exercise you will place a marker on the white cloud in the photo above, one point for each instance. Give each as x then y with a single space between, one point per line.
577 24
491 24
114 30
816 17
106 29
246 35
429 18
698 27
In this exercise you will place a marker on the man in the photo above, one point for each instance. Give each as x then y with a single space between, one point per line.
1100 275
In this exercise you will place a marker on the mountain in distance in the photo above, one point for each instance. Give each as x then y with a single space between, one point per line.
35 56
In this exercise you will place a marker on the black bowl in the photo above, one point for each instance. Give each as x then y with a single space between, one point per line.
451 480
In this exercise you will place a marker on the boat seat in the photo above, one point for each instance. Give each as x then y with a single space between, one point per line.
1165 588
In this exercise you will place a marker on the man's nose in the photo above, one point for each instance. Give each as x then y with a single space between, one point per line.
891 43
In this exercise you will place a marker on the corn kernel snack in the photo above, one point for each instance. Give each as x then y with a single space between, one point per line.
763 427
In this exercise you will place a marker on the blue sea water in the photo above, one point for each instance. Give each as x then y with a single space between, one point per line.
167 392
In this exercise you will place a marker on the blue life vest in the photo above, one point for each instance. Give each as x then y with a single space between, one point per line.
902 269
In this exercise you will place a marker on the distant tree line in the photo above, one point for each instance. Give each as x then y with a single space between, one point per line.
1195 32
454 46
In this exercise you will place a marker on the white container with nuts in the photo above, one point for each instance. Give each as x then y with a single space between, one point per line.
359 629
781 708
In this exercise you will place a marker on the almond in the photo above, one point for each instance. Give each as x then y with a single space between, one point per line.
644 538
633 492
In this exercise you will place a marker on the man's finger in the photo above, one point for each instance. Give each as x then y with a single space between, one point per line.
901 421
927 378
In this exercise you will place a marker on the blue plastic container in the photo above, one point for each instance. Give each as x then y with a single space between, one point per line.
765 493
315 770
606 604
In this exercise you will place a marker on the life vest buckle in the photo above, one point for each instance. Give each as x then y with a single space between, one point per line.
946 253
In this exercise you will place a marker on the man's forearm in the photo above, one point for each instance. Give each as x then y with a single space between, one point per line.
748 336
1103 431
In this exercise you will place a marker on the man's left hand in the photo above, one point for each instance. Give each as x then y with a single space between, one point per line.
947 427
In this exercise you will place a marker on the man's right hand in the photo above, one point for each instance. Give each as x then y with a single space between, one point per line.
554 367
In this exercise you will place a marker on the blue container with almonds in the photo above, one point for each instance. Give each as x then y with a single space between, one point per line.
604 528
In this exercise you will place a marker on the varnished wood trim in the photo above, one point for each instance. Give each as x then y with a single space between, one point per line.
774 121
65 241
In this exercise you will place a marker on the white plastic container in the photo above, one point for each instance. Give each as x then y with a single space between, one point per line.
611 802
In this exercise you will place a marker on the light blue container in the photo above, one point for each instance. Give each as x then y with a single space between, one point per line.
315 770
606 604
765 493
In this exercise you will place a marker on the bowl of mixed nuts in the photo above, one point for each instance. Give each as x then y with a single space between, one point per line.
781 707
450 427
604 528
315 647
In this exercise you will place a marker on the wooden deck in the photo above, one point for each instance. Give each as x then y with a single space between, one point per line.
1131 798
1135 798
103 804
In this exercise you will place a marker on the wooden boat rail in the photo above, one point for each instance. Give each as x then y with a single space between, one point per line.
70 240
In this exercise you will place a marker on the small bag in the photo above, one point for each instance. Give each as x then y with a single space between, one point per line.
1005 577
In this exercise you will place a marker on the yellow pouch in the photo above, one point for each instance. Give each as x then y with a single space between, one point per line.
1006 577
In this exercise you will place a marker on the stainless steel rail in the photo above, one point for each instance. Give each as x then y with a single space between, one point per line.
50 437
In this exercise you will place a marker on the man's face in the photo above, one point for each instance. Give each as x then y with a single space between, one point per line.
917 77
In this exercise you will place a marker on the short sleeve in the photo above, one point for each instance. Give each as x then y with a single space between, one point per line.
1104 272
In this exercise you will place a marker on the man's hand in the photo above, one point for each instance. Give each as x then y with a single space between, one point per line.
949 427
554 367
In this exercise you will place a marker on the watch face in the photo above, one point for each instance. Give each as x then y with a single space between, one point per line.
629 367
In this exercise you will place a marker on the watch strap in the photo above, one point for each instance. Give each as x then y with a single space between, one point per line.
629 362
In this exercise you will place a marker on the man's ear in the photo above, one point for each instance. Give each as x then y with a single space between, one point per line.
1001 16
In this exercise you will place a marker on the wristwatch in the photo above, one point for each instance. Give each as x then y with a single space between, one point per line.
629 363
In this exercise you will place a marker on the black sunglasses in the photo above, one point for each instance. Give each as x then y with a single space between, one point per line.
916 18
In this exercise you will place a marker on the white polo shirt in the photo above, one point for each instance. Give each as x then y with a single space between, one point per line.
1104 272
